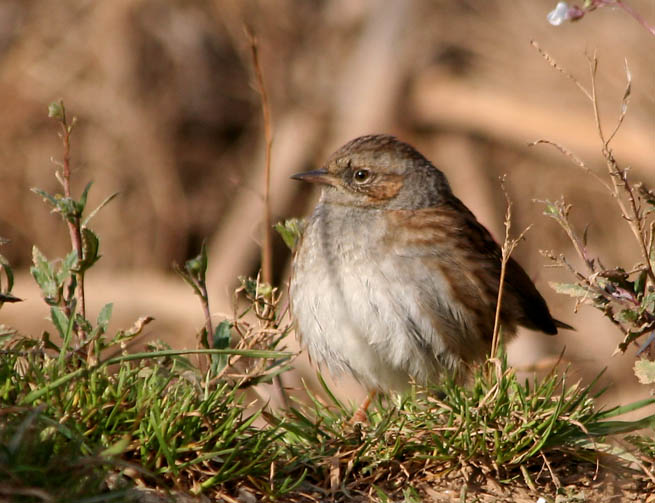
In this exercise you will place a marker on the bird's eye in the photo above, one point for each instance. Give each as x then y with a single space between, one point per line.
361 175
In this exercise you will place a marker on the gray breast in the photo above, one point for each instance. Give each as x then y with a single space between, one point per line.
355 308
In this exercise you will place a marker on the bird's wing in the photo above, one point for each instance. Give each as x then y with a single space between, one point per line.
451 240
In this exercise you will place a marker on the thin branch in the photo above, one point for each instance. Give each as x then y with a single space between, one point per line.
74 227
618 176
549 59
503 268
267 247
624 102
593 68
508 247
574 158
634 216
605 285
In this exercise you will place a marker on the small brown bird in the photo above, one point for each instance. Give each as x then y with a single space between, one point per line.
395 279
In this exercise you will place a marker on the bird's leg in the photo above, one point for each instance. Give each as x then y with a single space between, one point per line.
360 415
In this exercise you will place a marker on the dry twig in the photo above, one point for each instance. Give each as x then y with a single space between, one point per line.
509 244
267 247
623 300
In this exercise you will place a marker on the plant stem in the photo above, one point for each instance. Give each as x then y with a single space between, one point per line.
506 250
619 178
499 301
208 318
73 226
509 244
634 216
267 247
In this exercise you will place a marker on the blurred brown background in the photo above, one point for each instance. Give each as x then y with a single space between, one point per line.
169 117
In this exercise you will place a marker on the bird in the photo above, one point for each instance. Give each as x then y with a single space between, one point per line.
394 280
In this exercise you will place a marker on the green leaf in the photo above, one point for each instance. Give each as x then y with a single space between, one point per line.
104 316
570 289
59 320
640 283
627 316
648 302
626 409
193 266
248 353
221 340
43 274
4 265
56 110
83 324
100 206
551 210
164 444
645 371
291 231
48 198
194 272
64 325
90 246
222 335
250 286
5 294
37 393
197 266
68 207
83 198
101 324
67 265
117 448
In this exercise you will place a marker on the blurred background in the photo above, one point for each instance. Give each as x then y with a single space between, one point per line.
170 118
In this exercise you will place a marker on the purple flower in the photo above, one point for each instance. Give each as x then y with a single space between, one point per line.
564 12
560 14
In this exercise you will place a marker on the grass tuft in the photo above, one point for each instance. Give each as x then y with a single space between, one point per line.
498 428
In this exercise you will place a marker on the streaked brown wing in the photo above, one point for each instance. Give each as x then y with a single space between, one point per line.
470 259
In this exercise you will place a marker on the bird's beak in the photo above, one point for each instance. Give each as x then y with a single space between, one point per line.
316 176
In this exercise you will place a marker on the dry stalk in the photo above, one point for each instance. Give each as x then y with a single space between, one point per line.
551 61
620 184
509 244
267 247
620 188
622 300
